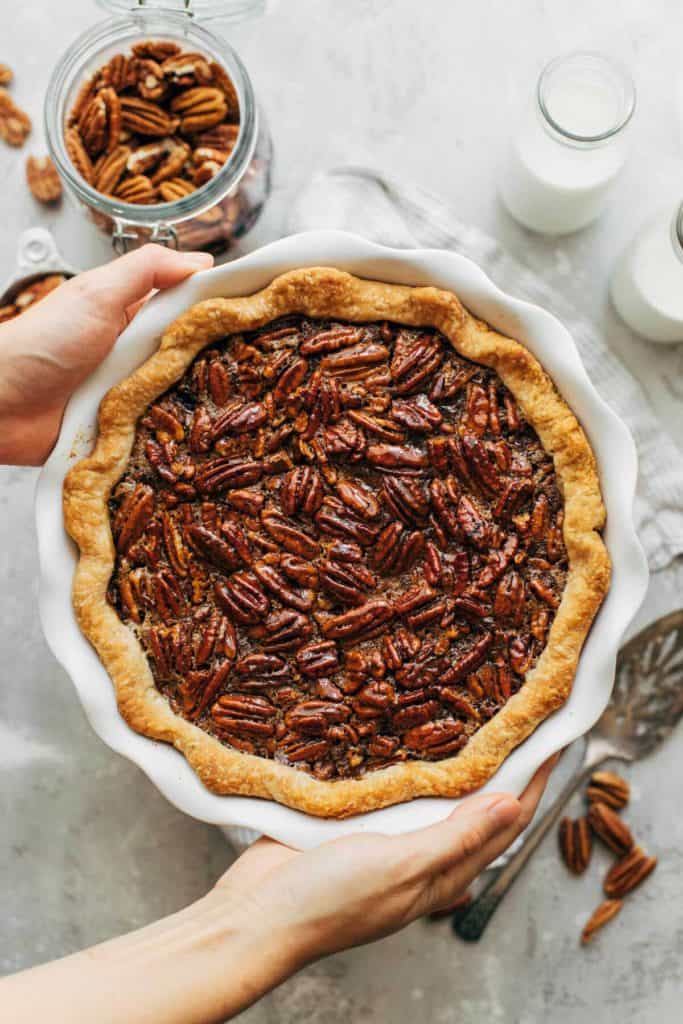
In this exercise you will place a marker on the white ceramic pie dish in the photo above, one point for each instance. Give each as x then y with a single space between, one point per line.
550 343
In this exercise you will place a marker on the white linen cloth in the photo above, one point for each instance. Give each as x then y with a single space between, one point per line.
386 210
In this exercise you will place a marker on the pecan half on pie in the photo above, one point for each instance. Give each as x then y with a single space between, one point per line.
356 543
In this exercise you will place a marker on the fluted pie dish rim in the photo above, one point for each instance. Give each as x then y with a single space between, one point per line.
327 293
224 770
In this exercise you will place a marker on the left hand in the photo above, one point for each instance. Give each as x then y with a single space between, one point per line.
51 348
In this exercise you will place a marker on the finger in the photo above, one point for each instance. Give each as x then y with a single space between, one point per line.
473 823
467 830
128 279
535 789
448 887
462 901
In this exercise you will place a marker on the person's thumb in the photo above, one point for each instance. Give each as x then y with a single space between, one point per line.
463 834
127 280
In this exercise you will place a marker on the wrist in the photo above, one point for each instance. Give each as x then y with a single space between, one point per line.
202 965
32 395
270 950
27 439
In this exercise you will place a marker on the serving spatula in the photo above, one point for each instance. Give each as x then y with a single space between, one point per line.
646 704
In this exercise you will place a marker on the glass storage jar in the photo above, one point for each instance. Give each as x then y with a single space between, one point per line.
213 216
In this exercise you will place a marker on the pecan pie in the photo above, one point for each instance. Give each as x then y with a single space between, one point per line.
356 543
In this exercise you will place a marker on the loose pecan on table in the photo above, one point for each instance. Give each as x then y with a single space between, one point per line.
575 844
606 792
15 124
608 788
628 873
610 828
42 178
599 918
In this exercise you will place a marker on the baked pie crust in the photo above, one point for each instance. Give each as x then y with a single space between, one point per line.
328 294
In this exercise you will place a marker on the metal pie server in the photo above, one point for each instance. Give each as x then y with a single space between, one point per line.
646 704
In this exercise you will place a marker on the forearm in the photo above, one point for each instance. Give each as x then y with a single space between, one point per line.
199 966
22 436
27 414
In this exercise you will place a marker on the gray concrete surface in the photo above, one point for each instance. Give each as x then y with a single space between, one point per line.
88 849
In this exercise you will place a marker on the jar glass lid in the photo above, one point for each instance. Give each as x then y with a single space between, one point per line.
233 10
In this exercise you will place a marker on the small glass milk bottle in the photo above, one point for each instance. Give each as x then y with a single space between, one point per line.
570 145
647 284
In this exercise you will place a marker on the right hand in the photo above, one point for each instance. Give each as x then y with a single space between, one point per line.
274 911
360 888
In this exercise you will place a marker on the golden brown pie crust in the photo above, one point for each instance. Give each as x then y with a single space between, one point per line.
326 293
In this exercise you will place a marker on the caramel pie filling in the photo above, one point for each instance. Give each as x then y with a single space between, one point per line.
340 545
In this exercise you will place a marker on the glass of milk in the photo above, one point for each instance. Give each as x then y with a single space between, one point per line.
570 145
647 284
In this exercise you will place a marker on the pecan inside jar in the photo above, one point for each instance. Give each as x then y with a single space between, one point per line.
340 545
153 124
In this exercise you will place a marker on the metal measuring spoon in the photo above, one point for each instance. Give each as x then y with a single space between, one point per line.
37 256
646 704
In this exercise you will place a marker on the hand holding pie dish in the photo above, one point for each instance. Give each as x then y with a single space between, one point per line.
339 543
